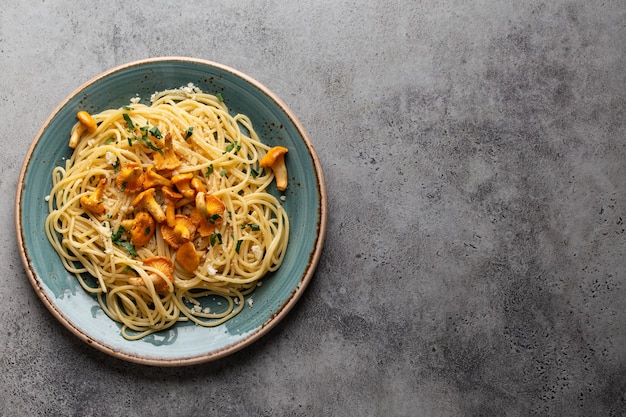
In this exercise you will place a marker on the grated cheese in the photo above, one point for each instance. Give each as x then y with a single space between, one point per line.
111 158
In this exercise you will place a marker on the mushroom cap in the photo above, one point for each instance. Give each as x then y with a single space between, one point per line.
183 231
209 205
87 120
275 159
142 229
146 201
93 202
168 160
153 179
187 257
170 194
196 184
165 266
131 177
203 227
272 156
182 183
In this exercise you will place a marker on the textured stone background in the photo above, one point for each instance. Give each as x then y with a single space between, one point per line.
475 158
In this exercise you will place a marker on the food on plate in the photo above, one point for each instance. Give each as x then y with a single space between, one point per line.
163 208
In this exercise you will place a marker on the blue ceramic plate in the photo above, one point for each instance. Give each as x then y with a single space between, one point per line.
184 344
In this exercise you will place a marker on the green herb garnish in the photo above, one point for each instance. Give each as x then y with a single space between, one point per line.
232 146
189 132
209 170
129 122
129 247
156 132
215 237
115 237
152 146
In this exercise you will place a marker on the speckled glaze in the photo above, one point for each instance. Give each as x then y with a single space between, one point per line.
305 204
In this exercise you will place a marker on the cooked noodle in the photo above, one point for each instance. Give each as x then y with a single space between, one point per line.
238 246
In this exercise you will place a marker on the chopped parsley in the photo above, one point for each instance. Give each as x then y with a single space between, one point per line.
238 245
215 238
109 140
188 132
214 218
129 247
252 226
144 138
209 170
232 146
152 146
129 122
116 238
219 97
156 132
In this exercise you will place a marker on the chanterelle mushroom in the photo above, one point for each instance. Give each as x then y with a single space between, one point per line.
196 184
182 232
141 228
203 227
171 197
183 184
146 201
130 178
209 206
154 179
275 159
187 257
168 160
93 202
87 122
164 266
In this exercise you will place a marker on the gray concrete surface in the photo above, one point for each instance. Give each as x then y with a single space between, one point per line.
475 159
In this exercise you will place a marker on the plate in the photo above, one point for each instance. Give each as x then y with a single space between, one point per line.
185 343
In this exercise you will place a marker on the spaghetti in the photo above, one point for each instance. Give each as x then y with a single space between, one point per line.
167 205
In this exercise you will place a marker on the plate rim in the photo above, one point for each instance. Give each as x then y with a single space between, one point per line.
256 333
